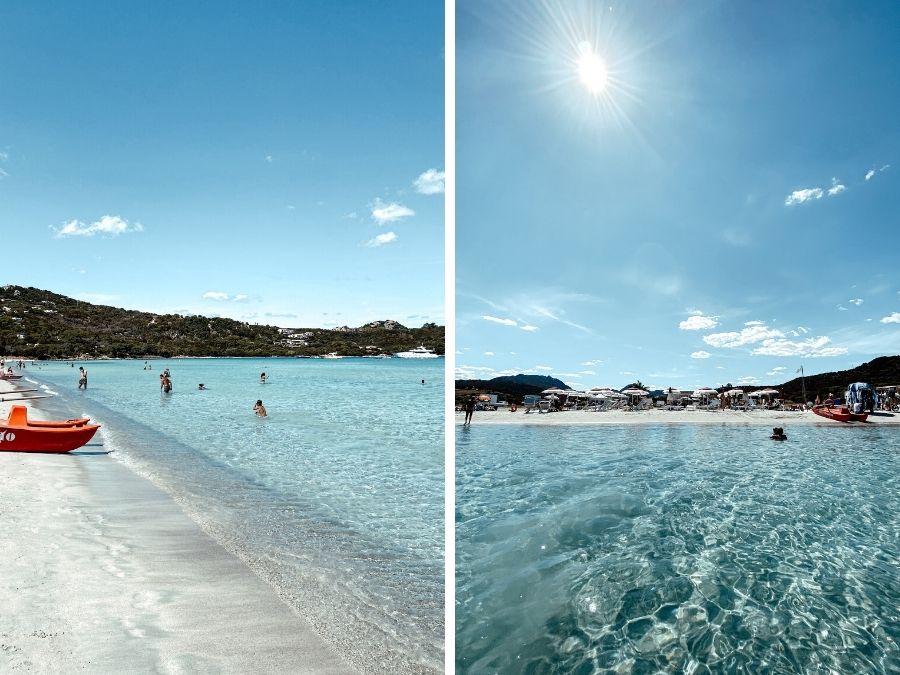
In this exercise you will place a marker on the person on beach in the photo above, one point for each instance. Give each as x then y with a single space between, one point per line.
260 409
470 408
829 402
262 378
82 378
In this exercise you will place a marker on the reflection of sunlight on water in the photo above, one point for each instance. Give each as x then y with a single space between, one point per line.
675 549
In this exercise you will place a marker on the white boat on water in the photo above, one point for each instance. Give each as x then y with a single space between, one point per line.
331 355
420 352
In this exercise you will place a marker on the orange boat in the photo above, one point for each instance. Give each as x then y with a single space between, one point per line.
832 413
19 434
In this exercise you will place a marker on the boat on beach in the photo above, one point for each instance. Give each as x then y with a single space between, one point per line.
420 352
9 376
19 434
838 414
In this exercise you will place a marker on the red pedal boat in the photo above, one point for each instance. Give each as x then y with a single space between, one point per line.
832 413
18 434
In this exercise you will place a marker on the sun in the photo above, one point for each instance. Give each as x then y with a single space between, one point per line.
592 70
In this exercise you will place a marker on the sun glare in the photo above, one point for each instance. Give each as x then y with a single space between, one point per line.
591 70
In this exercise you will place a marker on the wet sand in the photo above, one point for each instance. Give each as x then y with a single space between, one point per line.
771 418
103 572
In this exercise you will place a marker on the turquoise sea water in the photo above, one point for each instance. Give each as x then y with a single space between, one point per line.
336 498
677 549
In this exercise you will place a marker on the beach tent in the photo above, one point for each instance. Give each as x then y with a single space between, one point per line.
860 396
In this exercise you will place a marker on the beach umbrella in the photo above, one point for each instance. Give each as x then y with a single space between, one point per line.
554 390
705 391
634 391
735 392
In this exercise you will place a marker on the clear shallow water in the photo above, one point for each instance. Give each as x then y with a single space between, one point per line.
336 498
677 549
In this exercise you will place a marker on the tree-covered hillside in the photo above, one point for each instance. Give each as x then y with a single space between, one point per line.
881 372
39 324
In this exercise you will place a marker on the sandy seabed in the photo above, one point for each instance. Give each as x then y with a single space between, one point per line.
102 572
771 418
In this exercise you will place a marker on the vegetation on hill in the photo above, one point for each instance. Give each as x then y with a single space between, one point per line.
512 388
880 372
39 324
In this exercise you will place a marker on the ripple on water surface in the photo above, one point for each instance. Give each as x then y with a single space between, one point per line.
677 549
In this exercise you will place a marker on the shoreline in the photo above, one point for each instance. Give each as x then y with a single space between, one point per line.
702 417
103 571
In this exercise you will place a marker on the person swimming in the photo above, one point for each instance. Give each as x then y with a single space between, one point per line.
778 434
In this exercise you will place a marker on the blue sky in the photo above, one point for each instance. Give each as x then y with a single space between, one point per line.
717 202
279 163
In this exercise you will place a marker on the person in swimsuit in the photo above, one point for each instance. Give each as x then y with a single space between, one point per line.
260 409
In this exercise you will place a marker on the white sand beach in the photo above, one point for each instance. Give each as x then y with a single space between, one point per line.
771 418
103 573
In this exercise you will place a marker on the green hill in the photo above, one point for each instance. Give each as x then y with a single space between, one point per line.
513 388
39 324
880 372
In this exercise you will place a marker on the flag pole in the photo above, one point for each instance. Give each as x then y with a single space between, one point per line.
803 384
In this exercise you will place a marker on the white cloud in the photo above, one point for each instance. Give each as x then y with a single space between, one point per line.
754 323
595 362
503 322
382 239
489 353
700 355
748 335
219 296
107 225
387 213
586 372
430 182
842 308
545 369
871 172
529 328
699 322
800 196
836 188
215 295
856 301
269 158
809 348
748 380
892 318
777 370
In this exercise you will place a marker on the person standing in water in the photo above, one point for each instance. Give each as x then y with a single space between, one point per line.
82 378
260 409
470 409
262 378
